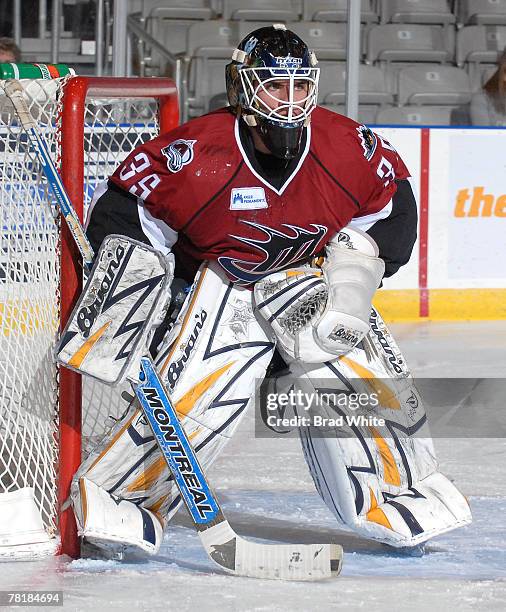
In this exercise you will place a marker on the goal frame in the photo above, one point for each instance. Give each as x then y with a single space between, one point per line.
77 91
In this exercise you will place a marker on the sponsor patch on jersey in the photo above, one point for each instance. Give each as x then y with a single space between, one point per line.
178 153
247 198
368 141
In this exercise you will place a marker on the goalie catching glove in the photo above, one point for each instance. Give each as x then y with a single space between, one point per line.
319 315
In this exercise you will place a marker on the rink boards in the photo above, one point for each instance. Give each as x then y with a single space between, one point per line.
457 270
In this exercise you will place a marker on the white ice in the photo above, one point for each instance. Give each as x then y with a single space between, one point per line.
267 493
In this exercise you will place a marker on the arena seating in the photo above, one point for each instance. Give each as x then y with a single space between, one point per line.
433 85
415 115
421 59
259 10
479 45
416 11
336 10
482 12
372 84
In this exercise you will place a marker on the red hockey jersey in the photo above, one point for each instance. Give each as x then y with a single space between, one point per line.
199 180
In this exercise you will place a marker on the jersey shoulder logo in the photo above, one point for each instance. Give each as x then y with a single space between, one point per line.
178 153
368 141
247 198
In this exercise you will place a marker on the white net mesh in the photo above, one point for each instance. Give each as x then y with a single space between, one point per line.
113 128
29 282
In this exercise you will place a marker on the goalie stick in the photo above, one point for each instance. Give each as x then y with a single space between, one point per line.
223 545
14 92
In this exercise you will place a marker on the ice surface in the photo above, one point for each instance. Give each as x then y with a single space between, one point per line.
267 493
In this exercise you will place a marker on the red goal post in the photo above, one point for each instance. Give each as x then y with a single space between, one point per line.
90 125
77 92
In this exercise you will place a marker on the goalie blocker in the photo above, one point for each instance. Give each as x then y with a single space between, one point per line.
125 299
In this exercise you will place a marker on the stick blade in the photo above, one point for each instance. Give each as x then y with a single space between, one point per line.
270 561
288 561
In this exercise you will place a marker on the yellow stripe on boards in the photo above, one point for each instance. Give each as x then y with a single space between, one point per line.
467 304
397 305
27 318
403 305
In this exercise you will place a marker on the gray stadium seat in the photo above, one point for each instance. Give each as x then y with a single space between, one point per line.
169 24
481 12
366 114
182 9
171 33
215 38
415 115
259 10
209 83
434 85
328 40
416 11
372 84
336 10
478 45
407 43
245 27
209 44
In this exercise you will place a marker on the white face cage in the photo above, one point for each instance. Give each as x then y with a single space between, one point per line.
294 98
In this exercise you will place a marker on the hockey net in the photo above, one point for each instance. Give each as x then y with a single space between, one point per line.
47 422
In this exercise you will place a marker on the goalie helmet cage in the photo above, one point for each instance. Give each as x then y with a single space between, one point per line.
89 124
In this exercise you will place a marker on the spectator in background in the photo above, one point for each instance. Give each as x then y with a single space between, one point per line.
9 51
488 106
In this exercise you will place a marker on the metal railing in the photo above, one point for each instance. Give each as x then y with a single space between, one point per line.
135 27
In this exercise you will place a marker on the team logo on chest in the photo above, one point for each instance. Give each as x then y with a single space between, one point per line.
278 249
247 198
178 153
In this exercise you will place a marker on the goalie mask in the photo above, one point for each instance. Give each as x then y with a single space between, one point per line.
272 82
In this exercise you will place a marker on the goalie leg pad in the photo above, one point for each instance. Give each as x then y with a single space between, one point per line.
106 521
380 480
217 353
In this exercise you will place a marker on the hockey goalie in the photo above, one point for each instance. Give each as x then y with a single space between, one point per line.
282 219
